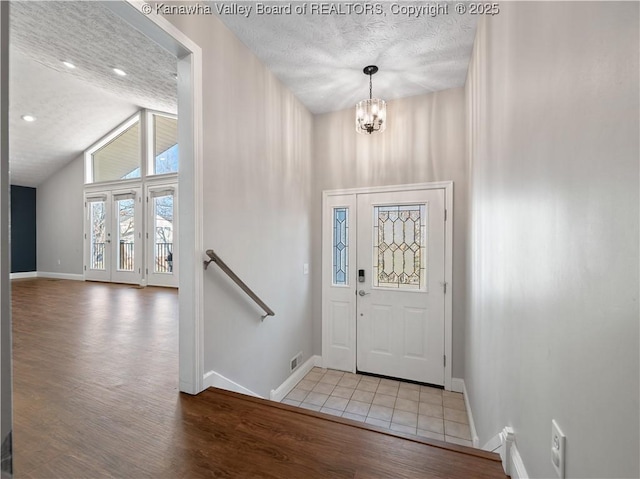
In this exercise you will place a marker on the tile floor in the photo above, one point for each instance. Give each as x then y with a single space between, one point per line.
399 406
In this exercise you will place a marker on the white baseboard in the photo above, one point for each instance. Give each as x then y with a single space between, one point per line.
281 391
28 274
213 379
504 444
458 386
73 277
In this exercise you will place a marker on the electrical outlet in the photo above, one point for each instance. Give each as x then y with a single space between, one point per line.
558 440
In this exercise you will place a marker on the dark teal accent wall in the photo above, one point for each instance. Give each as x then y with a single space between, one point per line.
23 229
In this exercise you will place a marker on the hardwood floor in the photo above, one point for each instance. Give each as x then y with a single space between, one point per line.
95 395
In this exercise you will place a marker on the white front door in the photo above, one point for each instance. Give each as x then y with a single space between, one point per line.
401 276
113 236
384 274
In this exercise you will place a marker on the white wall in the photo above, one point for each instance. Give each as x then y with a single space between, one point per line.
257 193
424 141
59 210
552 323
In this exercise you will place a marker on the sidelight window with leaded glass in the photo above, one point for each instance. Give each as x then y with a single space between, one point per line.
341 246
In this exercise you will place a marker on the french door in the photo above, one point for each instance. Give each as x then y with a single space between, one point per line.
113 236
384 283
161 236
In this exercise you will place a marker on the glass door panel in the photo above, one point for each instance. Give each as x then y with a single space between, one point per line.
97 211
113 215
162 236
126 234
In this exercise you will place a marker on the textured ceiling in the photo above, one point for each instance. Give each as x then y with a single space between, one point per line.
320 57
74 108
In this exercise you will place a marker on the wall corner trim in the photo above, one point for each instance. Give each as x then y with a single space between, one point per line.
281 391
458 386
213 379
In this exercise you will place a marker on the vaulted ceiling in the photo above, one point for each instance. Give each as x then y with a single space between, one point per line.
318 57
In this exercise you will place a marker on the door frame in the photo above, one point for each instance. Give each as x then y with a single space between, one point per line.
447 186
190 182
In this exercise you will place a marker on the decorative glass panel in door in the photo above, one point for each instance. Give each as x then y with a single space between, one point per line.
399 256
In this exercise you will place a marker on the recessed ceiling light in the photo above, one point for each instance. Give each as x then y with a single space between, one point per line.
29 118
69 65
119 72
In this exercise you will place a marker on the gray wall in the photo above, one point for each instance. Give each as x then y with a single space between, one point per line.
6 419
59 210
257 203
424 141
552 323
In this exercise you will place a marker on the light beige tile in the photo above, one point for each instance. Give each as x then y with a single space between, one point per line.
431 398
364 396
377 422
306 385
333 412
355 417
297 395
335 402
367 386
316 369
456 415
453 395
389 382
430 390
406 405
409 394
456 429
323 388
334 372
453 403
433 410
307 405
384 400
401 428
388 390
429 434
381 412
433 424
326 379
314 375
358 407
316 398
457 440
410 386
349 381
370 379
343 392
405 418
290 402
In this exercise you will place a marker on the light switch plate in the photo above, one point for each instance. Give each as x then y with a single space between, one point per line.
558 441
305 268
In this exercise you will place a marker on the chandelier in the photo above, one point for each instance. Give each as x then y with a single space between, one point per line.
371 114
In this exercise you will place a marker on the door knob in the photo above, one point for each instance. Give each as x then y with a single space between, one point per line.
362 292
